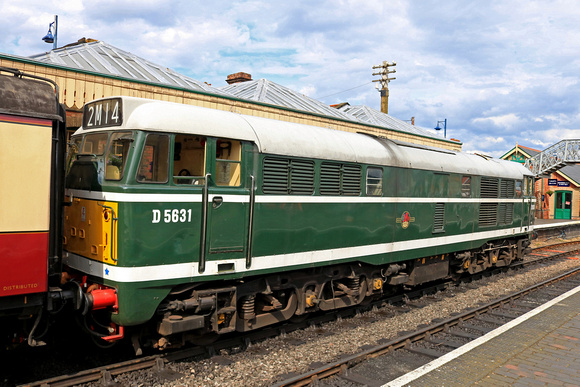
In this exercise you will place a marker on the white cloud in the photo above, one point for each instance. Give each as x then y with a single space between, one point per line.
503 121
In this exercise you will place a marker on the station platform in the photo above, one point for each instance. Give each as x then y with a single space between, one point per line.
550 223
539 348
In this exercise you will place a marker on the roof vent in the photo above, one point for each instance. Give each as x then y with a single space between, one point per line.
238 78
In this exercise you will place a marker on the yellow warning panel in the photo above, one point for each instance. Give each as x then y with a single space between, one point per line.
90 229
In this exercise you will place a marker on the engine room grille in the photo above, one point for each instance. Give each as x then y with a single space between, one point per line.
507 189
275 176
330 179
487 214
506 213
351 180
301 177
489 188
439 218
340 179
285 176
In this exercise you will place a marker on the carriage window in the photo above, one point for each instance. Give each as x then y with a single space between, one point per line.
117 155
188 159
153 167
374 181
466 186
95 144
228 163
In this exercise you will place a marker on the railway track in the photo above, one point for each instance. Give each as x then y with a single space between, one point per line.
157 363
438 339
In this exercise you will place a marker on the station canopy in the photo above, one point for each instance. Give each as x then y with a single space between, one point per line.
96 56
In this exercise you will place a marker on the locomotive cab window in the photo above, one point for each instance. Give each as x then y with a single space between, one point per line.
117 155
153 166
94 144
189 159
466 186
374 181
228 163
519 188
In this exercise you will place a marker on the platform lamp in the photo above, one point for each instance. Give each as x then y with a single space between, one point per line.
444 127
50 37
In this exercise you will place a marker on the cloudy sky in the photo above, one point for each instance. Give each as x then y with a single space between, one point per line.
500 71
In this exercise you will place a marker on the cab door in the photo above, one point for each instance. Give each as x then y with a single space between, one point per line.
228 206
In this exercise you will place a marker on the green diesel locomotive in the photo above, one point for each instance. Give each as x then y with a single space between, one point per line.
184 221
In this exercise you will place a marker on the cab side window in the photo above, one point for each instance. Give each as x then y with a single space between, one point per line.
374 181
228 163
189 159
154 163
117 155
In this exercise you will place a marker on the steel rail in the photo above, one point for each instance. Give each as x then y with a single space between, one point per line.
400 342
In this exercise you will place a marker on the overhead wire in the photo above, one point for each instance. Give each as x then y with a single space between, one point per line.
352 88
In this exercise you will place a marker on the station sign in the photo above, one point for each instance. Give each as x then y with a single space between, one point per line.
557 183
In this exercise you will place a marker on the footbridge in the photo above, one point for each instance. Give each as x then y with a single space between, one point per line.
555 157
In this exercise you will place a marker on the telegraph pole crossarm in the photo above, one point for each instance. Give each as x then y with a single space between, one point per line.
384 83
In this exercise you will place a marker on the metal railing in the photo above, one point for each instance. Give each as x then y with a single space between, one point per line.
554 157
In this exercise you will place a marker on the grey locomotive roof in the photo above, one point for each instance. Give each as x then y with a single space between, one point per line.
290 139
100 57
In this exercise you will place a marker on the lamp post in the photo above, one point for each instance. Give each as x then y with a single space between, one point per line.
50 37
444 127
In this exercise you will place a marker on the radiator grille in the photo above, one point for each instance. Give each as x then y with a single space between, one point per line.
489 188
488 214
439 218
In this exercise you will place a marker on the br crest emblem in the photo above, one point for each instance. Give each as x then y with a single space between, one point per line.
405 219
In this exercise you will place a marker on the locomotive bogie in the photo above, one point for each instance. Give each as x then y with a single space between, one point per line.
213 222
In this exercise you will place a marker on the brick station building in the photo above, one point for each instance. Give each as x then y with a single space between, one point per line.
558 196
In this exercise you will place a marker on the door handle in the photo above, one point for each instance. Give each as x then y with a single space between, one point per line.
217 201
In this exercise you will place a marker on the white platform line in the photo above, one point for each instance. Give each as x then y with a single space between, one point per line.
416 374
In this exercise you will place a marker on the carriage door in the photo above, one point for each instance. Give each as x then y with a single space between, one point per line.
563 205
228 205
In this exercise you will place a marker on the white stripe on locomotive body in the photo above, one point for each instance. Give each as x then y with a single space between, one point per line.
189 270
273 199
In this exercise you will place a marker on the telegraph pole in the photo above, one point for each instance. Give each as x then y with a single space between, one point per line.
384 83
